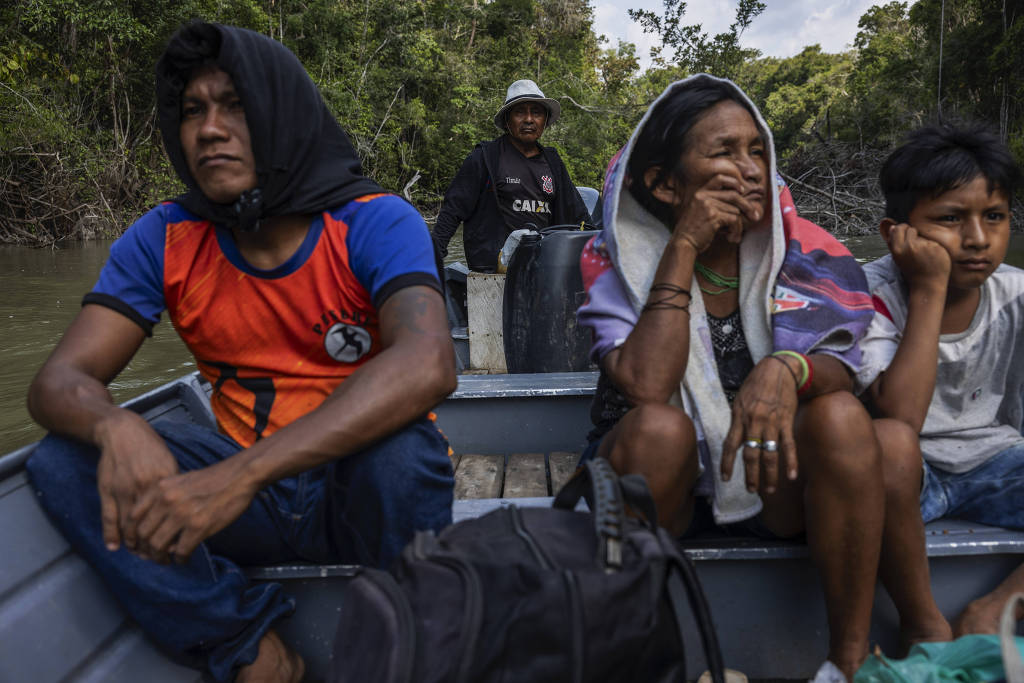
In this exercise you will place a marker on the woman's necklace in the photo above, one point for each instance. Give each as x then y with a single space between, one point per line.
725 282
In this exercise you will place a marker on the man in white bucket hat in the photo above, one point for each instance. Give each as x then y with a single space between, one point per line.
509 183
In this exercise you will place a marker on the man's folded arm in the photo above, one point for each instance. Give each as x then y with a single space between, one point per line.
69 394
412 374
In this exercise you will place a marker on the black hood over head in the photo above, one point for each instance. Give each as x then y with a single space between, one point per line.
305 162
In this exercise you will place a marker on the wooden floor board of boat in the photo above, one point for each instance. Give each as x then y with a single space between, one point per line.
518 475
526 476
561 466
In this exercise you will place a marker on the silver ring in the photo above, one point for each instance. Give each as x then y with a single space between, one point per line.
770 446
752 443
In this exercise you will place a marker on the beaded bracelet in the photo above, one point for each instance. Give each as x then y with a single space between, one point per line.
669 287
806 369
666 301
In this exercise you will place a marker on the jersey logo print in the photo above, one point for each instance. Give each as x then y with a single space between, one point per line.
347 343
262 389
547 184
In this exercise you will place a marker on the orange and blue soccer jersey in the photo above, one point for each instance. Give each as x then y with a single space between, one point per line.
273 343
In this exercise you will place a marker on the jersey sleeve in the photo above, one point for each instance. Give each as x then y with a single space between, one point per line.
607 310
390 248
131 281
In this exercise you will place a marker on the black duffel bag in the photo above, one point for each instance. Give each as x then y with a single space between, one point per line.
531 595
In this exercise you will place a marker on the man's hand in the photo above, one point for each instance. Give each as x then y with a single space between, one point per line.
718 204
922 261
179 512
764 410
133 458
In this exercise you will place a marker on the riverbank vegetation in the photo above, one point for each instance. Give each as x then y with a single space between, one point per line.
416 82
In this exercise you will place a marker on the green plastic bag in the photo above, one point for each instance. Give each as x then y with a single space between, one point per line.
968 659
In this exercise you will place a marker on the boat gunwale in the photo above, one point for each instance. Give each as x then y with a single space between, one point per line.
527 385
189 388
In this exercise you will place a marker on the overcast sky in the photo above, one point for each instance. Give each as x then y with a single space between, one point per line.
782 30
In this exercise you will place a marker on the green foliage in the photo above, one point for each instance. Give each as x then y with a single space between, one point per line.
796 95
416 84
507 17
693 50
886 85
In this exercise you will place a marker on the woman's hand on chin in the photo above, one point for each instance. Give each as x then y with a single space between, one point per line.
762 423
716 204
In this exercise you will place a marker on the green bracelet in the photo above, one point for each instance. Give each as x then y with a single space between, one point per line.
805 369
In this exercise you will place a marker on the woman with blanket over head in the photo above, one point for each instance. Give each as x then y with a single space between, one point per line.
726 330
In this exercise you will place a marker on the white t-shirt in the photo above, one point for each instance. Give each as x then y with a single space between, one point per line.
976 409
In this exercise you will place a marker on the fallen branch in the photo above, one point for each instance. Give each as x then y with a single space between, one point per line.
362 77
832 196
386 115
408 186
601 110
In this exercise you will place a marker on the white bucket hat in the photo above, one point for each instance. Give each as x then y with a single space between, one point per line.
527 91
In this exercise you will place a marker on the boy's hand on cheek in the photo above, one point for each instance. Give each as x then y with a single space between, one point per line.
922 261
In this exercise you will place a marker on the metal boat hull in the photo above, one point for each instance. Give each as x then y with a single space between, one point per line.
59 623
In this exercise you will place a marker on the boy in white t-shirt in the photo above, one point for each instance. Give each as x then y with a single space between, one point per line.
944 354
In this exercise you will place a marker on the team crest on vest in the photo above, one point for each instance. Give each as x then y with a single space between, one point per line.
547 184
347 343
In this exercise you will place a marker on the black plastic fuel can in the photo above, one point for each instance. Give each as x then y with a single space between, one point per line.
543 289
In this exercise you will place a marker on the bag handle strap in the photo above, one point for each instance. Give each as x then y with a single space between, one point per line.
634 489
1013 665
684 586
606 494
637 495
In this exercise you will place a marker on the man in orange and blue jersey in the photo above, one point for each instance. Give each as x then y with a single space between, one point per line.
310 300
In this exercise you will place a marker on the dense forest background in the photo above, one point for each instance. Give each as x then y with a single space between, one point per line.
416 82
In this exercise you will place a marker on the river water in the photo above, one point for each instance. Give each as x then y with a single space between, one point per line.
41 291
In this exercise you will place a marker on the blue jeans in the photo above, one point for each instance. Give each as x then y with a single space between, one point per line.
992 493
360 509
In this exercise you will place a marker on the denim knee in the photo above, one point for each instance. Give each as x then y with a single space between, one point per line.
204 611
61 466
401 464
411 473
380 497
